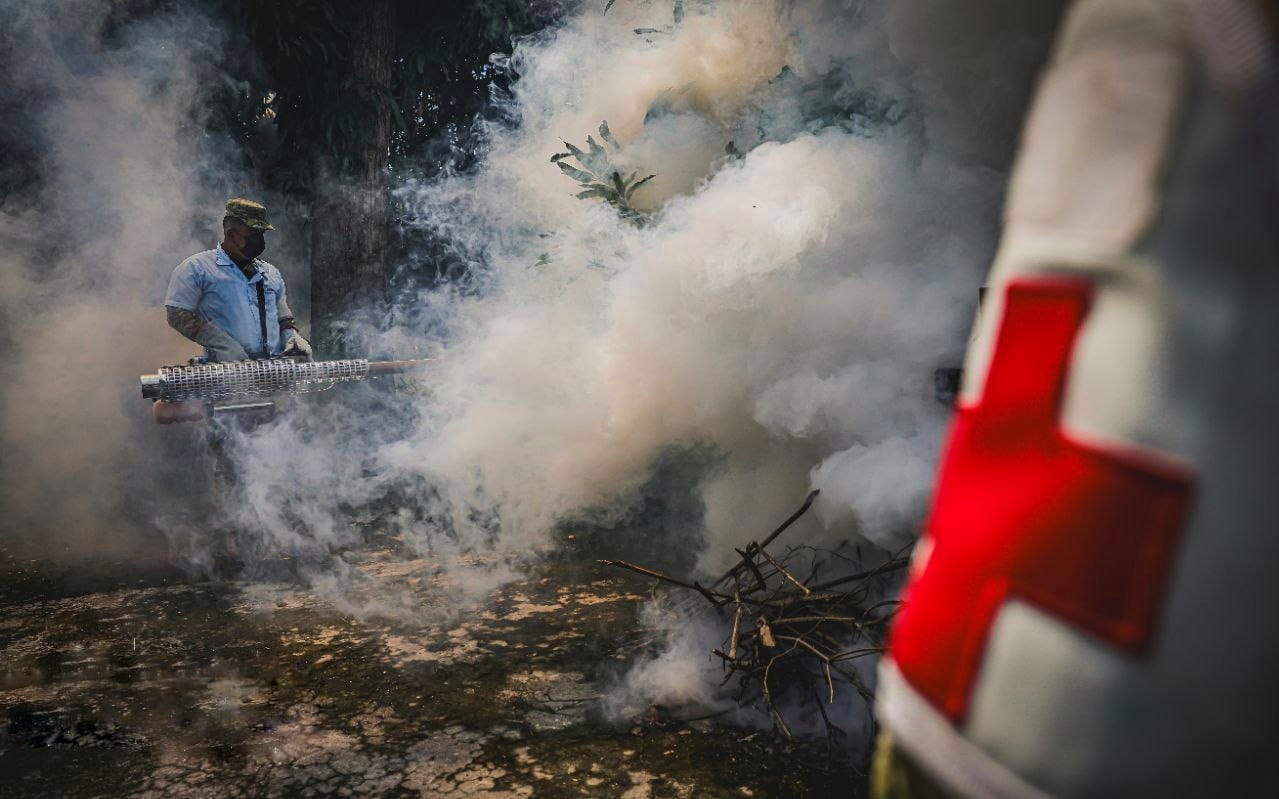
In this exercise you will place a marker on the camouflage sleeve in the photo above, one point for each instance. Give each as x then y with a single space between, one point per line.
218 343
188 323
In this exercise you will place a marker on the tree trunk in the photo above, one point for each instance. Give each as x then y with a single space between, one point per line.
349 219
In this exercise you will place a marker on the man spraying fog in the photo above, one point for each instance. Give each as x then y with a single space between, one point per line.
230 301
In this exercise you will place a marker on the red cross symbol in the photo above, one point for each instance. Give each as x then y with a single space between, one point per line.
1021 510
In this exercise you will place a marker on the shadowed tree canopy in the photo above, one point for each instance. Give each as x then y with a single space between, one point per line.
350 93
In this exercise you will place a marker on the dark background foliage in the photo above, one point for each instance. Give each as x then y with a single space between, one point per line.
287 64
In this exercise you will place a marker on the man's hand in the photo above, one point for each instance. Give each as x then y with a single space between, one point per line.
219 343
294 344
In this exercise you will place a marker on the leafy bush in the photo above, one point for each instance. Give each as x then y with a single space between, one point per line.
597 175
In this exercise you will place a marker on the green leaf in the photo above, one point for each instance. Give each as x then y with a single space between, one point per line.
678 11
617 182
555 159
597 190
597 152
575 174
643 31
631 191
609 5
576 151
607 136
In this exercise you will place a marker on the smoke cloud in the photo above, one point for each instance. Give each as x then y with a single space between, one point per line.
827 192
829 177
784 307
122 181
83 259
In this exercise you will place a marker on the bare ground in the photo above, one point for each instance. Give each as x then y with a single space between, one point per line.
128 679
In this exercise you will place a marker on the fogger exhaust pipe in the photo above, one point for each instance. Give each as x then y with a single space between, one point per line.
237 380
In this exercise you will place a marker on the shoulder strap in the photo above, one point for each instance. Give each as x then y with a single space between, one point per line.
266 352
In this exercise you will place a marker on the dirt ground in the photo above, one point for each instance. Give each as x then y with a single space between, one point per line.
133 679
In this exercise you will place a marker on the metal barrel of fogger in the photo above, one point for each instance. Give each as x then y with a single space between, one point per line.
240 379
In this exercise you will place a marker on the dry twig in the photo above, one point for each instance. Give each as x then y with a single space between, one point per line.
802 632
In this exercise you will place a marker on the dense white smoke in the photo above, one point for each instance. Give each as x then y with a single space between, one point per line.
828 177
786 307
822 211
84 260
783 308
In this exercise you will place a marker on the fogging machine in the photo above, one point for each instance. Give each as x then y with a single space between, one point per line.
192 392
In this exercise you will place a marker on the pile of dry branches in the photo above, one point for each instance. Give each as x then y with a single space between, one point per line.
789 633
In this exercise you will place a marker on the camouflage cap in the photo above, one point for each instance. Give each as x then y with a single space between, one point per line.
249 212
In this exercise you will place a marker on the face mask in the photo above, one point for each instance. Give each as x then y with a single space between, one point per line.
254 245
